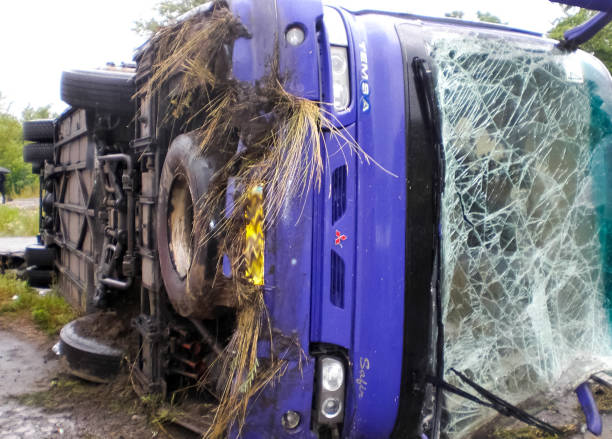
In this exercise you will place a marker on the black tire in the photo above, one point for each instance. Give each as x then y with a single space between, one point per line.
38 152
39 255
40 130
86 357
189 288
48 223
105 91
47 203
37 277
36 167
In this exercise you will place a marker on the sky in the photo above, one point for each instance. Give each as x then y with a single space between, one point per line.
40 38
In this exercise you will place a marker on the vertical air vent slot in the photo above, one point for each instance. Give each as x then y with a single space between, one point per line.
338 193
336 284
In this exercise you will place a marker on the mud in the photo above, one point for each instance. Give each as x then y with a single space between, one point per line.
23 368
38 400
109 327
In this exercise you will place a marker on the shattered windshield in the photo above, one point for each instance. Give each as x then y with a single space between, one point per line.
526 215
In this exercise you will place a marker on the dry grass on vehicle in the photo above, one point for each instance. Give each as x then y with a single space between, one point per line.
49 312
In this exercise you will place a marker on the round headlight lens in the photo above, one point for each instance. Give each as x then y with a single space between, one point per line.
332 374
295 35
331 407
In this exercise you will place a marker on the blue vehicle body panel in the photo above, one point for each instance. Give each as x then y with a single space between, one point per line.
376 350
368 238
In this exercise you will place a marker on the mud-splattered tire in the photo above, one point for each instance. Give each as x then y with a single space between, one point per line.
39 255
38 277
38 152
40 130
86 357
185 263
102 90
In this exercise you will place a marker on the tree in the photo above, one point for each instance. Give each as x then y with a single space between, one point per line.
454 14
599 45
167 11
488 17
11 145
31 113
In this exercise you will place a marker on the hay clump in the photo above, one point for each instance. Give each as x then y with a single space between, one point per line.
274 143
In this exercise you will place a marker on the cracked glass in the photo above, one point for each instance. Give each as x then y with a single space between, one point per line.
526 215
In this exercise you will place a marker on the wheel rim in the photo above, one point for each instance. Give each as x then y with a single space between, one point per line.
180 225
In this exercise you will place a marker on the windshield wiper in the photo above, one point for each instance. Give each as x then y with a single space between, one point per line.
429 108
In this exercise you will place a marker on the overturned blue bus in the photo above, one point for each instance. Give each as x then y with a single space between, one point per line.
313 215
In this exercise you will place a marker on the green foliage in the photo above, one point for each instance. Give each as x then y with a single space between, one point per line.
31 113
454 14
18 222
600 45
11 145
488 17
50 312
167 11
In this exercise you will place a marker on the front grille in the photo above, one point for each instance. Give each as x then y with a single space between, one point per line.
338 193
336 284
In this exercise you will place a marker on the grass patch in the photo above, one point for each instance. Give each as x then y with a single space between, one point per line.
18 222
30 191
49 312
62 390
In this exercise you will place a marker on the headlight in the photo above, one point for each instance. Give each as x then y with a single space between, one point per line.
340 76
332 374
330 390
338 41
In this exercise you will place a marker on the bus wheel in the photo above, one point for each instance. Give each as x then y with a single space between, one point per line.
187 263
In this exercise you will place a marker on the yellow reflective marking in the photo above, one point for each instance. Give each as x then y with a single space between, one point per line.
255 239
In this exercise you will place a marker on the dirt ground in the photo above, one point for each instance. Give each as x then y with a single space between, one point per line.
23 203
37 400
